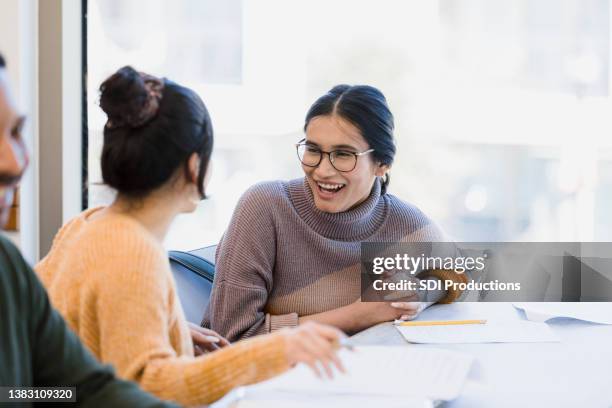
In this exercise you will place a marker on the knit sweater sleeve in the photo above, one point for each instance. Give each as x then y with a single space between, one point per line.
423 229
133 298
244 270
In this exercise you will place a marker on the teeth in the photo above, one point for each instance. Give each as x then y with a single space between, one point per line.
331 186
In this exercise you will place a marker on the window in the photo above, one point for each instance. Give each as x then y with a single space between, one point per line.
502 108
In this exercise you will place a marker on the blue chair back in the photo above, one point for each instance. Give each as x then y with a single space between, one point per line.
193 272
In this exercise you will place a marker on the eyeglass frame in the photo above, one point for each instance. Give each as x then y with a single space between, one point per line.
356 154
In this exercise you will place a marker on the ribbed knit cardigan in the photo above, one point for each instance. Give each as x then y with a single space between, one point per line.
111 280
282 258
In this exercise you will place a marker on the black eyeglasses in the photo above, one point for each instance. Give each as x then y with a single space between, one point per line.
341 160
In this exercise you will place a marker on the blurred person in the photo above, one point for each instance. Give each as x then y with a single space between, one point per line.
36 347
291 253
109 274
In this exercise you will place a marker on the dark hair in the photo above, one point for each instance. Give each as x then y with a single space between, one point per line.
2 62
151 132
366 108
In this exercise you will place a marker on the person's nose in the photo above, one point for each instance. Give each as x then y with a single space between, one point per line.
13 156
325 167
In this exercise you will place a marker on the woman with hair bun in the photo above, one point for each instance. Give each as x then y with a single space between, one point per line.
291 253
108 273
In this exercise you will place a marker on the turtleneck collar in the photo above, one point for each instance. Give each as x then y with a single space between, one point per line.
355 224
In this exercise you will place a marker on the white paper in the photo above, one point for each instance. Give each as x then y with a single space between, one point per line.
492 311
490 332
595 312
379 371
281 400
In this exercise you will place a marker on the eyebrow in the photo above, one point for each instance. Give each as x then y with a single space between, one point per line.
335 147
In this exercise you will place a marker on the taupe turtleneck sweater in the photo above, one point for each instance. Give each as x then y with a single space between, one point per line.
282 258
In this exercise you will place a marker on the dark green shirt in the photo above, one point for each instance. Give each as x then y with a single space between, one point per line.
37 349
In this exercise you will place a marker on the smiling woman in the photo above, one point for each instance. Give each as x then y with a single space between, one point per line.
353 121
292 251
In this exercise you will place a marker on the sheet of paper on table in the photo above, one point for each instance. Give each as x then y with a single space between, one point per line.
390 376
595 312
490 332
332 401
504 325
491 311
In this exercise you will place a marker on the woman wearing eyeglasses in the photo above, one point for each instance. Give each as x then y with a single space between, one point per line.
291 253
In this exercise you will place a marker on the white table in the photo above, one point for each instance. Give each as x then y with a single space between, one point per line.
577 372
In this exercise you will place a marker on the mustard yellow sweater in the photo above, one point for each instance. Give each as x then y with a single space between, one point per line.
111 280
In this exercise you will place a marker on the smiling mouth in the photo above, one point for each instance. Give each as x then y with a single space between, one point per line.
329 188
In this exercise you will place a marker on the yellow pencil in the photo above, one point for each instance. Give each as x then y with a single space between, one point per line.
440 322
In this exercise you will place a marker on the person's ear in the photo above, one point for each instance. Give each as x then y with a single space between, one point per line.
382 169
193 166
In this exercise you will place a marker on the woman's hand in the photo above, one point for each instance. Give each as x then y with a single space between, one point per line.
372 313
410 310
315 345
206 340
360 315
401 304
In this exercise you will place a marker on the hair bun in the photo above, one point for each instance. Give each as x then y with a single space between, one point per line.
130 98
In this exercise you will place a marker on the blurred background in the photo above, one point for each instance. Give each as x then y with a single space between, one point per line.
502 108
503 113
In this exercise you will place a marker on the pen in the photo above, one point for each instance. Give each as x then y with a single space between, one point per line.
439 322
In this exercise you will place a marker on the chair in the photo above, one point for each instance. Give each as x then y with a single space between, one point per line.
194 272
